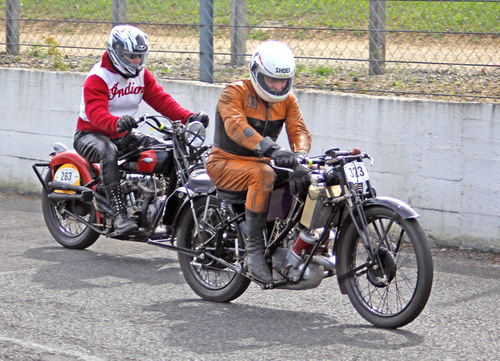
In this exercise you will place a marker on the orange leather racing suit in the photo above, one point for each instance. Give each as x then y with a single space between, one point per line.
242 120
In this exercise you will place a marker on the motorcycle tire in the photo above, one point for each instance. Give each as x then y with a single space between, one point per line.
66 230
209 279
394 289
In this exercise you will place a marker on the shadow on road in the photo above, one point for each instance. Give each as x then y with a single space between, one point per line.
77 269
228 326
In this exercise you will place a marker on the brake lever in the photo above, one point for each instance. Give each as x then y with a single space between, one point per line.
272 163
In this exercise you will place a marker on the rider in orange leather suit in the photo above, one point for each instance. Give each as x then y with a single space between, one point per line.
250 116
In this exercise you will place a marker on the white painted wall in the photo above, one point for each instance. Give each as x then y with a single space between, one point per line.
442 158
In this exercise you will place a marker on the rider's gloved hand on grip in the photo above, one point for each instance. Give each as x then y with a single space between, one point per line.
125 122
284 158
200 117
299 180
301 156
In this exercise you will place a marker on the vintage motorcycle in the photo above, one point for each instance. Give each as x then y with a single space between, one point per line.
74 205
374 245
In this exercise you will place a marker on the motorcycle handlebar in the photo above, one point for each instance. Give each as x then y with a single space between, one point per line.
143 118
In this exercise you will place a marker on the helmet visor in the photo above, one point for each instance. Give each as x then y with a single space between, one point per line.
274 86
134 59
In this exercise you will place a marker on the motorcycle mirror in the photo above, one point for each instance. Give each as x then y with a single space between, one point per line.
194 134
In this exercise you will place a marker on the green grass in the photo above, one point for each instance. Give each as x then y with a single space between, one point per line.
332 14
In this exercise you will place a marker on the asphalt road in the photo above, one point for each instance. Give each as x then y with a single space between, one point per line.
128 301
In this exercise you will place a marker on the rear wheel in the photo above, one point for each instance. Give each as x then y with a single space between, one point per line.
66 230
392 288
208 278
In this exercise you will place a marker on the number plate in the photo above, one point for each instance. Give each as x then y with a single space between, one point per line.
356 172
68 173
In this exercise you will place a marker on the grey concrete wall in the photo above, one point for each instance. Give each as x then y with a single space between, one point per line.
441 158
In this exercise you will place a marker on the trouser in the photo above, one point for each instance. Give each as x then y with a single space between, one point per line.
236 173
98 148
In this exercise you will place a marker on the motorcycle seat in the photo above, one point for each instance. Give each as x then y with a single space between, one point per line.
234 197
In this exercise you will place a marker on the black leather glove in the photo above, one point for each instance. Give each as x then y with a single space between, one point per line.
284 158
200 117
299 180
301 156
125 122
266 147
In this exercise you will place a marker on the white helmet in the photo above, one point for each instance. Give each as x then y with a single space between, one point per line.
125 44
272 61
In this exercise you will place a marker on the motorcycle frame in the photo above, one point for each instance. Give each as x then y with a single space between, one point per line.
87 194
349 209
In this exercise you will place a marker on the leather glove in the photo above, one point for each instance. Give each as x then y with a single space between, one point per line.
301 156
200 117
284 158
299 180
125 122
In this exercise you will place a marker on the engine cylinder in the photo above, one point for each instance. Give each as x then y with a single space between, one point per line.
303 243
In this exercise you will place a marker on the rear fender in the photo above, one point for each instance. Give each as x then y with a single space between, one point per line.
178 204
174 203
72 157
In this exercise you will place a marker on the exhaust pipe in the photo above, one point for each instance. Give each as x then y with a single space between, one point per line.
85 196
327 262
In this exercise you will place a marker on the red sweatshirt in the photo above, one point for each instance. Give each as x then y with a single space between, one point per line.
106 96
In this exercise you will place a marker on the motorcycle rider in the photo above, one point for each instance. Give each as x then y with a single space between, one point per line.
249 118
110 98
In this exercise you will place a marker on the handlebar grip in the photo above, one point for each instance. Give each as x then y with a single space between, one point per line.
137 120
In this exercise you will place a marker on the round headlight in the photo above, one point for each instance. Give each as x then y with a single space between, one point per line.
195 134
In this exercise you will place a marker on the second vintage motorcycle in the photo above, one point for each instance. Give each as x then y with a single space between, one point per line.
74 204
374 245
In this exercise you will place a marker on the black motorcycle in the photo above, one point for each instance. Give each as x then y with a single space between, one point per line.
374 245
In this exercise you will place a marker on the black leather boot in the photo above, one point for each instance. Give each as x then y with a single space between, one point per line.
121 223
254 257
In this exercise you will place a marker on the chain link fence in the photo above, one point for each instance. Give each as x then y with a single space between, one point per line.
443 49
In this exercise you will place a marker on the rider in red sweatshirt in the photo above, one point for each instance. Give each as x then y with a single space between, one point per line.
111 95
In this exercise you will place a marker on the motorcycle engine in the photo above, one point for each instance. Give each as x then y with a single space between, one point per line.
143 196
289 260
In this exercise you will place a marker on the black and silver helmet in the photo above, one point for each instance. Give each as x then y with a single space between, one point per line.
128 50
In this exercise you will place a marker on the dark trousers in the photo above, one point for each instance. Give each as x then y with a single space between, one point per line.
98 148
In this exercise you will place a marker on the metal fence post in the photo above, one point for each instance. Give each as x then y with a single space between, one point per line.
119 12
238 32
207 41
12 13
377 32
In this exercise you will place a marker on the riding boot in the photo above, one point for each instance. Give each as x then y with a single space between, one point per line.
254 257
121 223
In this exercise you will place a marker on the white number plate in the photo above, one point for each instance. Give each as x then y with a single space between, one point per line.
356 172
67 173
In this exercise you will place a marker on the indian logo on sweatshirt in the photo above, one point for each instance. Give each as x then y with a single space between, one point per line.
129 89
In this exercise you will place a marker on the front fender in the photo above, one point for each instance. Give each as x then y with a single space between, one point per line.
398 206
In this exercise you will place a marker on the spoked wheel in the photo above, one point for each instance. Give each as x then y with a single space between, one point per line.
66 230
391 288
208 278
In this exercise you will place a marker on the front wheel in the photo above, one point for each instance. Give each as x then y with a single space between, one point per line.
65 229
208 278
389 284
